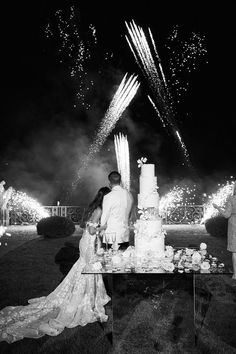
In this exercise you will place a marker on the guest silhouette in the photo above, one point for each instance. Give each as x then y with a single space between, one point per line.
229 212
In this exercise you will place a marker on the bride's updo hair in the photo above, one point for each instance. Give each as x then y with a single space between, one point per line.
96 203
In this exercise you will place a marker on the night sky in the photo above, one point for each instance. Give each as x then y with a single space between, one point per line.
46 131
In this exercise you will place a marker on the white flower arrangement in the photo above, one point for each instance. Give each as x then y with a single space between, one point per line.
141 161
148 213
144 214
169 252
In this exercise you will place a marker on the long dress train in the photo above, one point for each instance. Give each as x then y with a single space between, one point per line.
78 300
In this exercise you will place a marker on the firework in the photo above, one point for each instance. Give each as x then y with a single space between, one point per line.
122 158
154 75
23 204
177 196
75 47
185 55
220 198
122 98
182 143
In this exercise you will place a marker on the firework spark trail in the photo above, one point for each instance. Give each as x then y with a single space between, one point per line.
120 101
122 158
156 109
156 80
158 58
182 143
122 98
144 58
220 198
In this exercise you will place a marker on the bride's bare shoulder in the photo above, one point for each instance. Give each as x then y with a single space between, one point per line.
96 214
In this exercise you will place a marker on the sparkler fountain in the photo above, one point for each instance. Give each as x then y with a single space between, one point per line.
122 158
220 198
21 202
177 196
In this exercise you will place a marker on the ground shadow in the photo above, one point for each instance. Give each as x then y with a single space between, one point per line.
153 313
215 308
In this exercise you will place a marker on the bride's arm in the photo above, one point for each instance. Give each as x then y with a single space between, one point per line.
94 222
101 228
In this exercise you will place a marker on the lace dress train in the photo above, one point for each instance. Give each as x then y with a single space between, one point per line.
78 300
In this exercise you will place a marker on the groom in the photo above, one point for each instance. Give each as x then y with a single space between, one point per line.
116 212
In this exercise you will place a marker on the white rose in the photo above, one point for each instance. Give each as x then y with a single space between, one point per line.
169 254
189 251
205 266
169 251
203 246
169 267
203 252
97 266
196 257
177 255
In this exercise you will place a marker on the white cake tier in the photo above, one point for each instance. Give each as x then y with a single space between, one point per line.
154 248
148 200
149 239
147 184
148 170
148 228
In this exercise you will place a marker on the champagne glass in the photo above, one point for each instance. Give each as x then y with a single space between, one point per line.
113 238
106 240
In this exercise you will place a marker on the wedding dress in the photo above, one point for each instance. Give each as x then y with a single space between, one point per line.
78 300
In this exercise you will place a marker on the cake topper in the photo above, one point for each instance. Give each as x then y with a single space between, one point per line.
141 161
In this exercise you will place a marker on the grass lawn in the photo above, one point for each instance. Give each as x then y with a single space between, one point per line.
19 235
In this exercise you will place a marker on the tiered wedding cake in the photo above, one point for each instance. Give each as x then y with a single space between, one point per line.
149 235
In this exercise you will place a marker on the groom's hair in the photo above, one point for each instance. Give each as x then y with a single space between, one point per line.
114 177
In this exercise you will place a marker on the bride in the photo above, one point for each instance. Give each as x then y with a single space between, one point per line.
79 299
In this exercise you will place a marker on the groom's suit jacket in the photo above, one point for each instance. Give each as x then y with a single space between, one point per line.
115 213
